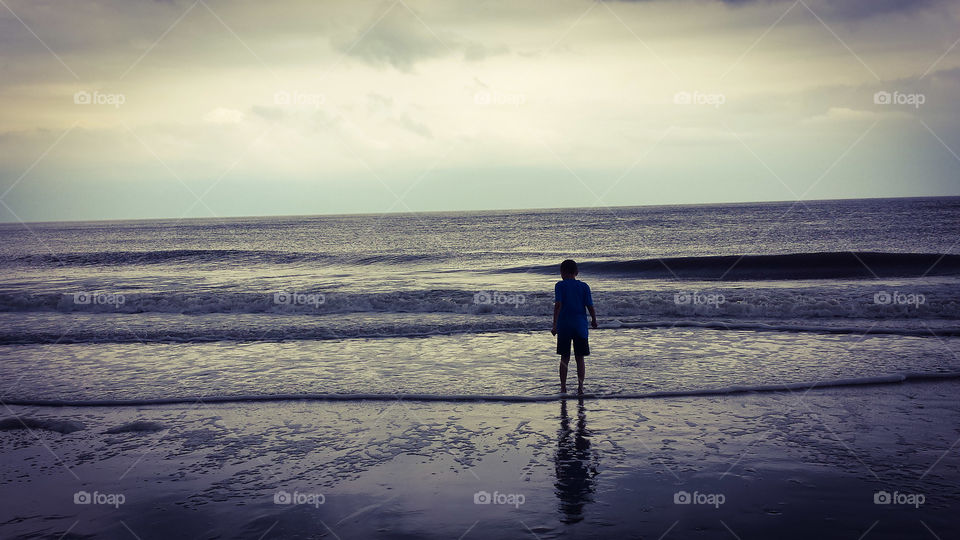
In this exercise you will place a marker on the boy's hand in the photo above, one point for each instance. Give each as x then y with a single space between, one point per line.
593 323
553 330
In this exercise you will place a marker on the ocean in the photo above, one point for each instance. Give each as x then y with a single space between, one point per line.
441 305
758 367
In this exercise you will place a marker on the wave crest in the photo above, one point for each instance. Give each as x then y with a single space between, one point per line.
219 256
824 265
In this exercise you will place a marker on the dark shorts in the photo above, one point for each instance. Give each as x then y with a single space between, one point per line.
580 345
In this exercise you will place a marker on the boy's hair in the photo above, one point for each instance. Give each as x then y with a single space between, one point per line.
569 266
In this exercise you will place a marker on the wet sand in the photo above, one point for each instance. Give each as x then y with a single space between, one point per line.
788 464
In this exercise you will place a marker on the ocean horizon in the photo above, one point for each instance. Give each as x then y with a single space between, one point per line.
479 210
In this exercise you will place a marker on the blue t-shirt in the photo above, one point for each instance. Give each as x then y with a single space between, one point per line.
574 296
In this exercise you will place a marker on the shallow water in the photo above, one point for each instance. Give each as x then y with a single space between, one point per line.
623 361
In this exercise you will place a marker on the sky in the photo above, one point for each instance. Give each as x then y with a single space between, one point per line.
129 109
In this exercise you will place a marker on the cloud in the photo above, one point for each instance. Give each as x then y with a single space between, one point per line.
844 9
401 38
416 127
222 115
861 9
366 92
843 114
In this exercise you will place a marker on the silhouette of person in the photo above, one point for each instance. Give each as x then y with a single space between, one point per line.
576 465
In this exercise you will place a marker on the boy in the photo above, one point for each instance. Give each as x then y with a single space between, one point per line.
570 322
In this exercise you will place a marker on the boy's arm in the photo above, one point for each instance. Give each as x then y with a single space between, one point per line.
556 313
589 304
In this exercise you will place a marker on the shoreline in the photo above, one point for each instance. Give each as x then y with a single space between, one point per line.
786 462
878 380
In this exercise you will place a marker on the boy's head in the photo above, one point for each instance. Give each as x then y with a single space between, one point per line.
568 268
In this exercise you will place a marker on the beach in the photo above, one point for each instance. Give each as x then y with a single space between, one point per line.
276 378
786 463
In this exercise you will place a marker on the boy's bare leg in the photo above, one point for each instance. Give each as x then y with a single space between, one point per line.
564 360
581 372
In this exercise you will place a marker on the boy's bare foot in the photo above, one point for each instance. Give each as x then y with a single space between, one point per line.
563 389
580 389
